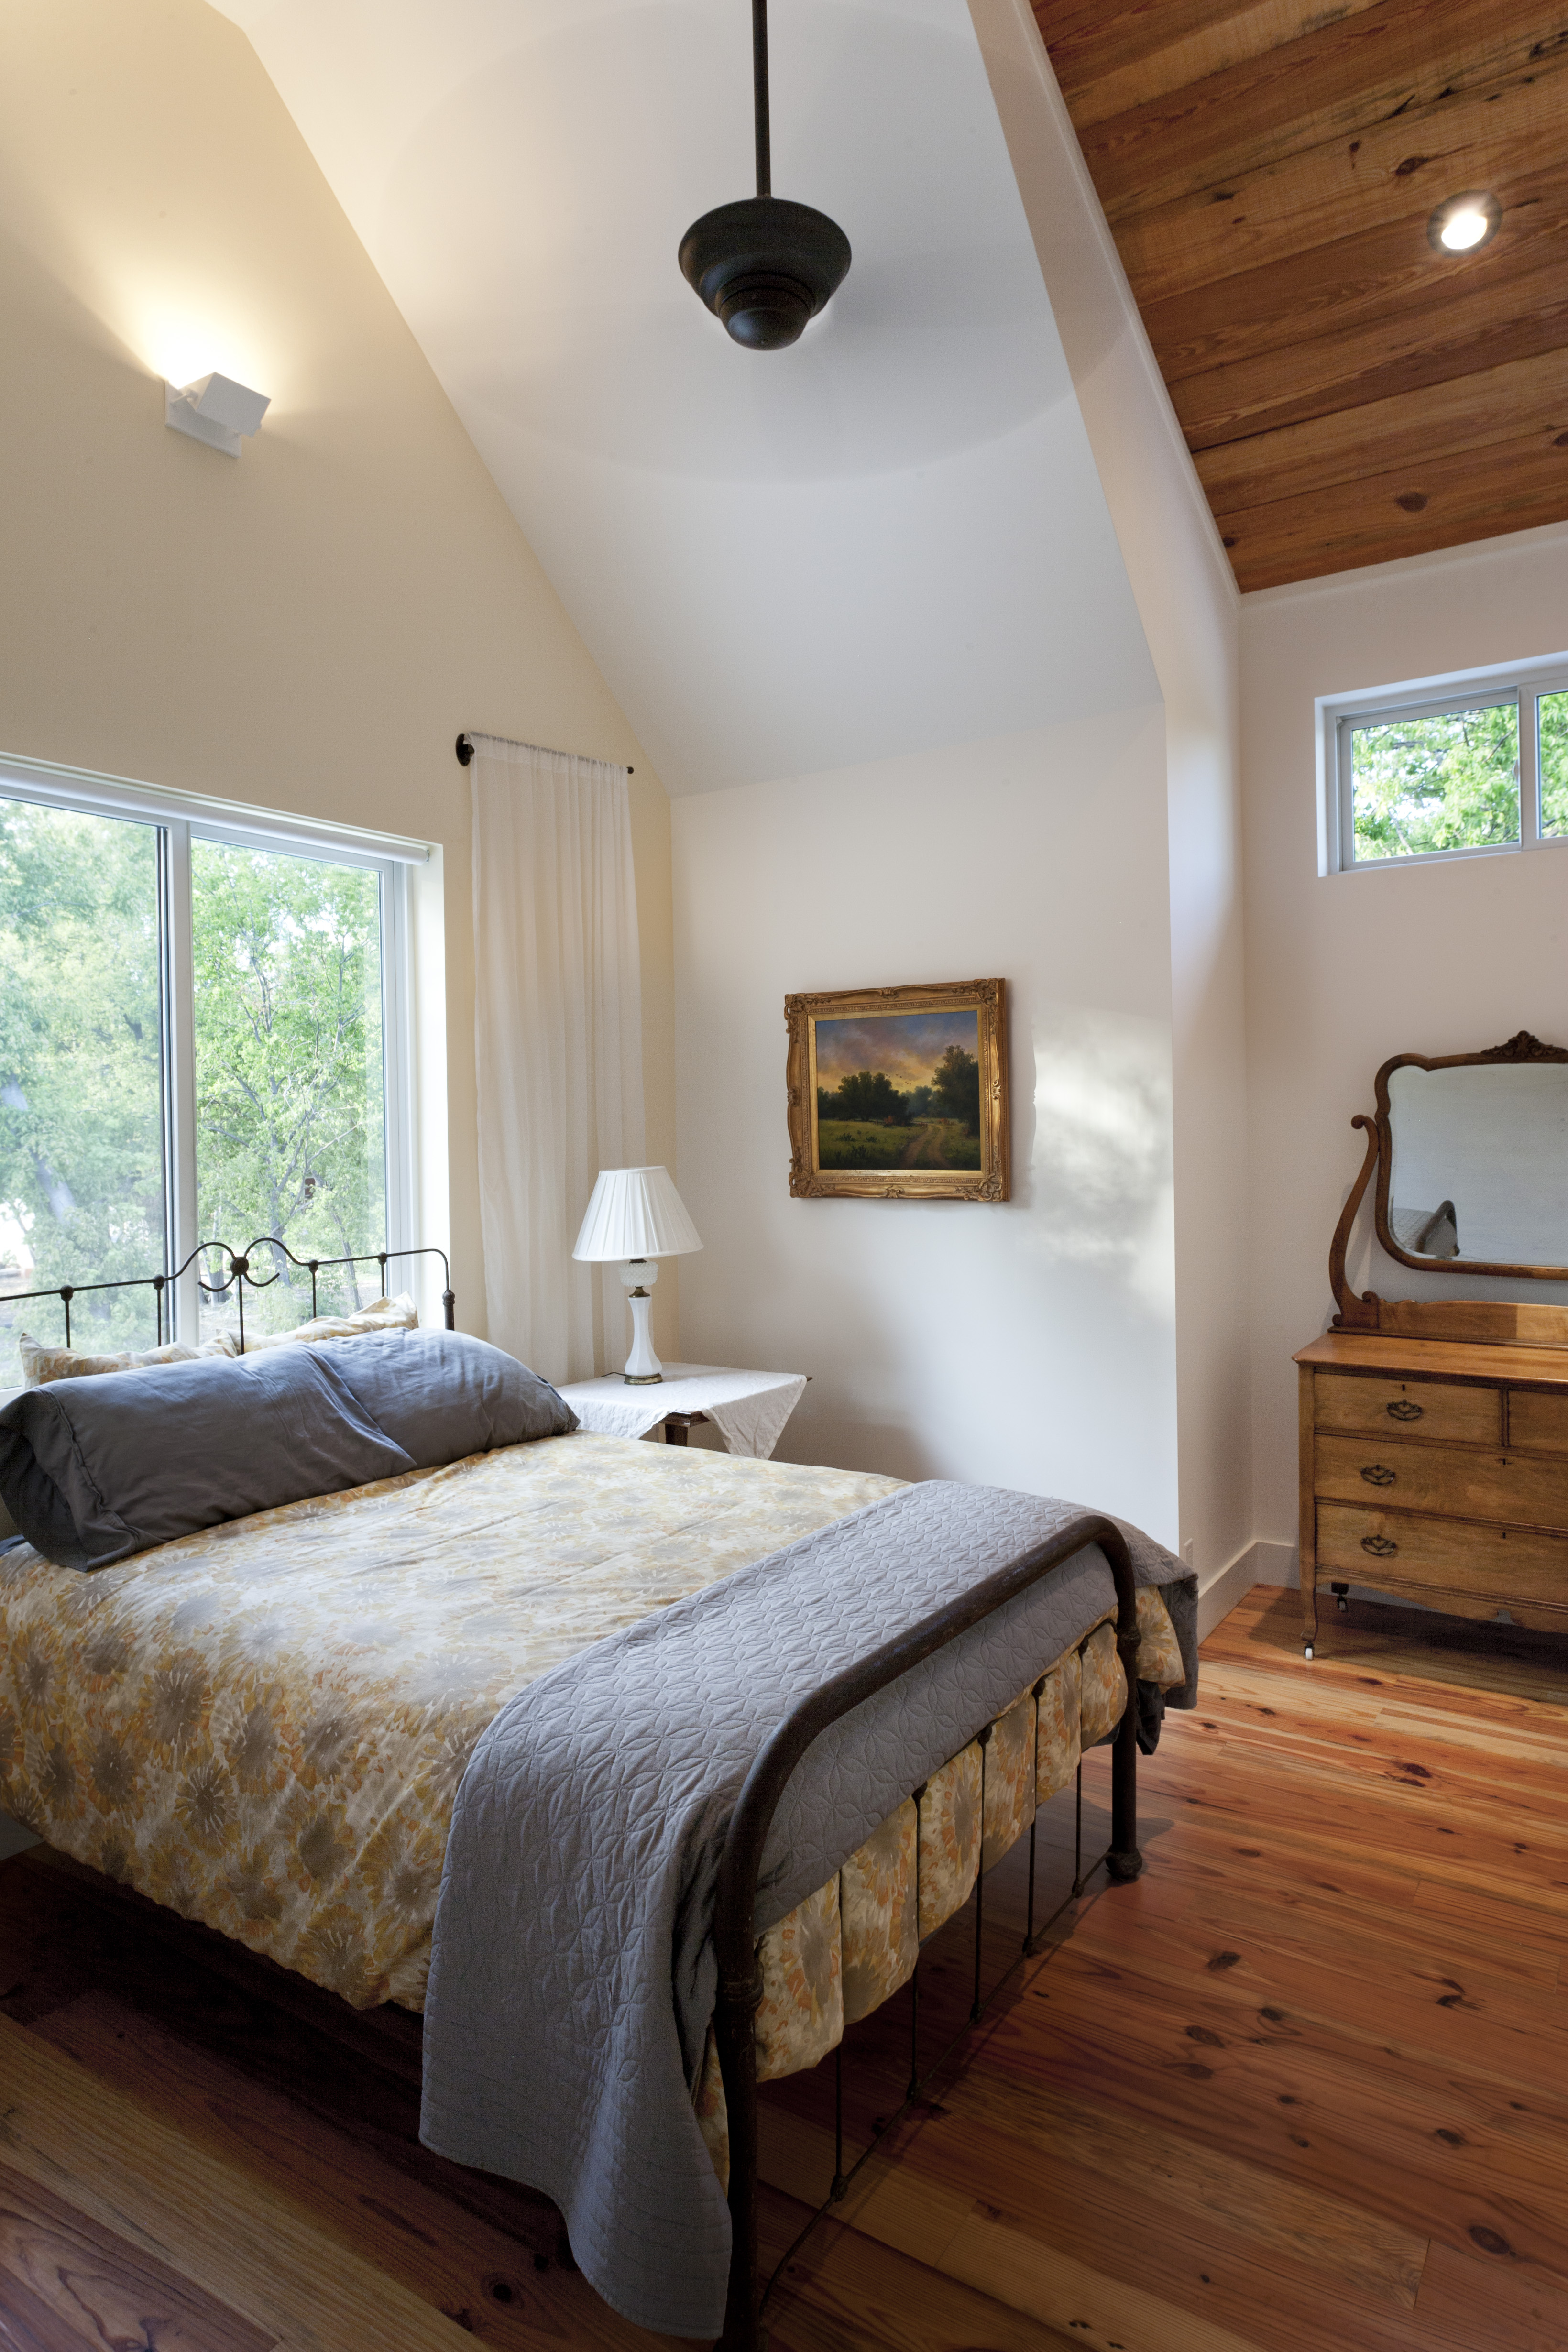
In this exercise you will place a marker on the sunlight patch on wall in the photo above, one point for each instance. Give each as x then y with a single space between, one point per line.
1101 1161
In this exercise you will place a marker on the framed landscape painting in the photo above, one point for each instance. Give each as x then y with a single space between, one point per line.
900 1093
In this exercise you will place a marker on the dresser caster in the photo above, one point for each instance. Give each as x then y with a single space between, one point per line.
1340 1591
1307 1652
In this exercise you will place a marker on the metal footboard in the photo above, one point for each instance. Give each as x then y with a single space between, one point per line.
735 1941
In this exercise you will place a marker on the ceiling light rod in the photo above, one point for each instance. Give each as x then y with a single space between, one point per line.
764 267
759 95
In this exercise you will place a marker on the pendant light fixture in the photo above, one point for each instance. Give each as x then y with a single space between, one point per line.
764 265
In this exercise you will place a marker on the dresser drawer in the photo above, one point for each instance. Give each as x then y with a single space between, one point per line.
1418 1408
1387 1548
1539 1421
1524 1488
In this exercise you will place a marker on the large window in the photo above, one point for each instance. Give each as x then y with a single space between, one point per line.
202 1038
1478 768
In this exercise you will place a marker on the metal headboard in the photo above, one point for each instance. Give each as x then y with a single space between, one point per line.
239 1278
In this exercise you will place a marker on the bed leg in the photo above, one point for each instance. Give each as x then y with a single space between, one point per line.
735 2032
1078 1830
1124 1862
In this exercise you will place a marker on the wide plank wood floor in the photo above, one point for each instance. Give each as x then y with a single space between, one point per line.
1304 2086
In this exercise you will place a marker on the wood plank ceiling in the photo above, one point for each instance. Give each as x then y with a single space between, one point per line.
1268 168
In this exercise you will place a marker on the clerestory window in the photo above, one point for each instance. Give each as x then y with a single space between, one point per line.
1481 766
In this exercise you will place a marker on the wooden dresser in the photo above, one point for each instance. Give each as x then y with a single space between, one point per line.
1436 1470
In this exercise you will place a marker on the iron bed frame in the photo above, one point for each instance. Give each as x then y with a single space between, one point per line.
239 1276
736 1944
734 1918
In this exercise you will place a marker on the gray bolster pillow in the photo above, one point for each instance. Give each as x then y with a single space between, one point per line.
93 1470
444 1395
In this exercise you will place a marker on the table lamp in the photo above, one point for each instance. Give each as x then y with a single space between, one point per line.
637 1214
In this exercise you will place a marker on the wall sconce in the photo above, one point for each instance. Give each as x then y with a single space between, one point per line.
216 410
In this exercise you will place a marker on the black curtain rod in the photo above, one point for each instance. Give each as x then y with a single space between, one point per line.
466 751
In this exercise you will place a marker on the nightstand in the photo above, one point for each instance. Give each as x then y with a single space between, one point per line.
749 1409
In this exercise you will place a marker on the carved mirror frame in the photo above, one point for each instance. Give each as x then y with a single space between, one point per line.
1438 1319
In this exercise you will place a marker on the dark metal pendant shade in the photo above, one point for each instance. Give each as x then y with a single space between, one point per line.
763 265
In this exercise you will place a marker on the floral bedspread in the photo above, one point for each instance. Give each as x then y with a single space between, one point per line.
264 1726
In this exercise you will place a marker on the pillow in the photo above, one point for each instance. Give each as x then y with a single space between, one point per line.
398 1313
94 1470
443 1395
40 1364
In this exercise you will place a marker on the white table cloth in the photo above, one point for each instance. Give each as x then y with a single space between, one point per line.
749 1409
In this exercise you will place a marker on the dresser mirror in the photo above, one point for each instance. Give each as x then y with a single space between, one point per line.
1470 1156
1476 1172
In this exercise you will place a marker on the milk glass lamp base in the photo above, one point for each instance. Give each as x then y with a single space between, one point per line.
642 1365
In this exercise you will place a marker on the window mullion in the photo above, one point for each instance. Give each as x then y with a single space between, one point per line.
1344 847
396 1062
180 1066
1529 768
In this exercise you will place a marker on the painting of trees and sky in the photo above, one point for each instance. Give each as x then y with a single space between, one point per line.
898 1091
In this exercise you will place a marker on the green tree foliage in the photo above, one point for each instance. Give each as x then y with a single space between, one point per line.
289 1135
81 1158
955 1088
1450 782
865 1093
289 1071
1554 714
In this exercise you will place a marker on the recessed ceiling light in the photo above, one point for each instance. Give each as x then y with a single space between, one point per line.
1464 223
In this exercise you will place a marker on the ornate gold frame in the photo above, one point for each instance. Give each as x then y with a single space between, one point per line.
990 1181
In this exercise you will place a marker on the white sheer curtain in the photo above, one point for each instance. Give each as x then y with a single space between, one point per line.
557 1038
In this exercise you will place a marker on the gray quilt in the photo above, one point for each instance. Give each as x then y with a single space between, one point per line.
573 1975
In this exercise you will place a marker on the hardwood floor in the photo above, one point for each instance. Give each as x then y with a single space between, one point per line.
1304 2086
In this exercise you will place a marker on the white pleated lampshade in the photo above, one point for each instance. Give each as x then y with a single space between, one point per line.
636 1213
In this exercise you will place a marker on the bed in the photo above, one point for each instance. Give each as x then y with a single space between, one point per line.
266 1725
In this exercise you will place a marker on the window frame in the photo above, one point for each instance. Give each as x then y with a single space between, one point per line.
182 818
1519 684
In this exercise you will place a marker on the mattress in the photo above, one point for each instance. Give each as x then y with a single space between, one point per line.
263 1726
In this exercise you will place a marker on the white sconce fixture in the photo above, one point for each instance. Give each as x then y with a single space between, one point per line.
636 1214
216 410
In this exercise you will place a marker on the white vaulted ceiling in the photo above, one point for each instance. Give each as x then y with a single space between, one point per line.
891 536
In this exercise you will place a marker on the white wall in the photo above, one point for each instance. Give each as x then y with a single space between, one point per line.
1187 605
725 526
1091 1337
305 629
1030 1343
1345 969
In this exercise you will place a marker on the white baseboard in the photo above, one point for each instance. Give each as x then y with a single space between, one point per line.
1255 1563
14 1838
1275 1563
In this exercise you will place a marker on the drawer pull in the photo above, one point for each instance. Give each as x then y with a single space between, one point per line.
1402 1410
1380 1546
1378 1474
